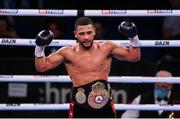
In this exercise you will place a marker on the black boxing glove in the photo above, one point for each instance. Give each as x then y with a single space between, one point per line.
129 29
42 39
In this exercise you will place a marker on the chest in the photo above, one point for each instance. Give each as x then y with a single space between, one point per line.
90 60
94 58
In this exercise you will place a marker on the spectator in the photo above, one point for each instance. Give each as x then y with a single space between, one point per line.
3 27
175 4
162 95
100 31
6 30
12 32
58 31
171 30
171 26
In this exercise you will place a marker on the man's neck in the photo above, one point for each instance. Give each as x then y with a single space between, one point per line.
90 49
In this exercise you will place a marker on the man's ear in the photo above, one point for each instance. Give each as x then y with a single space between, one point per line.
75 34
94 31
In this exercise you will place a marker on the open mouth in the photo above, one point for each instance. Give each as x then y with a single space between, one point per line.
87 42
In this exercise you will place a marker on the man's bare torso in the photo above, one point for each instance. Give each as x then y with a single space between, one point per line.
85 66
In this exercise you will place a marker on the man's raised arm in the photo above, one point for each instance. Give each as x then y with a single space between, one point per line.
43 63
132 53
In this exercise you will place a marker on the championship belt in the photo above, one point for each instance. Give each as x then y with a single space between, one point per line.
80 96
99 96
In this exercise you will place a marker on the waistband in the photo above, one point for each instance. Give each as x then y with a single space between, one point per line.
88 86
95 94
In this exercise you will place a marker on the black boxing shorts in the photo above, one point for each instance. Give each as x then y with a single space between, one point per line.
93 97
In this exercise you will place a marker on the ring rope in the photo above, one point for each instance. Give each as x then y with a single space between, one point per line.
69 42
35 107
38 12
65 78
131 13
99 13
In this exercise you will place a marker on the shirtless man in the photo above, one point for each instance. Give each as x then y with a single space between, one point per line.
88 65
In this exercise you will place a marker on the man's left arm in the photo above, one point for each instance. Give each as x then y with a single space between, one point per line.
133 52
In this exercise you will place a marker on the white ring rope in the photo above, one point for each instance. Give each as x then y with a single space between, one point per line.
39 78
38 12
65 78
69 42
131 13
145 107
100 13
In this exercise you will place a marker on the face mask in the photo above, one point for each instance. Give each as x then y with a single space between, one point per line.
161 92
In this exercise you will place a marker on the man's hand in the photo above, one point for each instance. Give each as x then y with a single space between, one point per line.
129 29
42 39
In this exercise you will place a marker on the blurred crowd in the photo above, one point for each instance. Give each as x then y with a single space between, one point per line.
7 30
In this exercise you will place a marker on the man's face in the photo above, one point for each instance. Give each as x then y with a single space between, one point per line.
167 86
162 90
85 35
163 86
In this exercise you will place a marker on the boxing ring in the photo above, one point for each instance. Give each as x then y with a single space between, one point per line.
69 42
64 78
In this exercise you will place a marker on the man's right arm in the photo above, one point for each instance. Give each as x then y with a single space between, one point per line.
43 63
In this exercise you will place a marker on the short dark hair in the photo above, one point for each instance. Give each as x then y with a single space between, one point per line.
83 21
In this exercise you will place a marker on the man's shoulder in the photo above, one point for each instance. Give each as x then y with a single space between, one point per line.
106 43
109 44
65 49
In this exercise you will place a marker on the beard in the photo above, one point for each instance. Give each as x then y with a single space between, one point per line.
86 44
